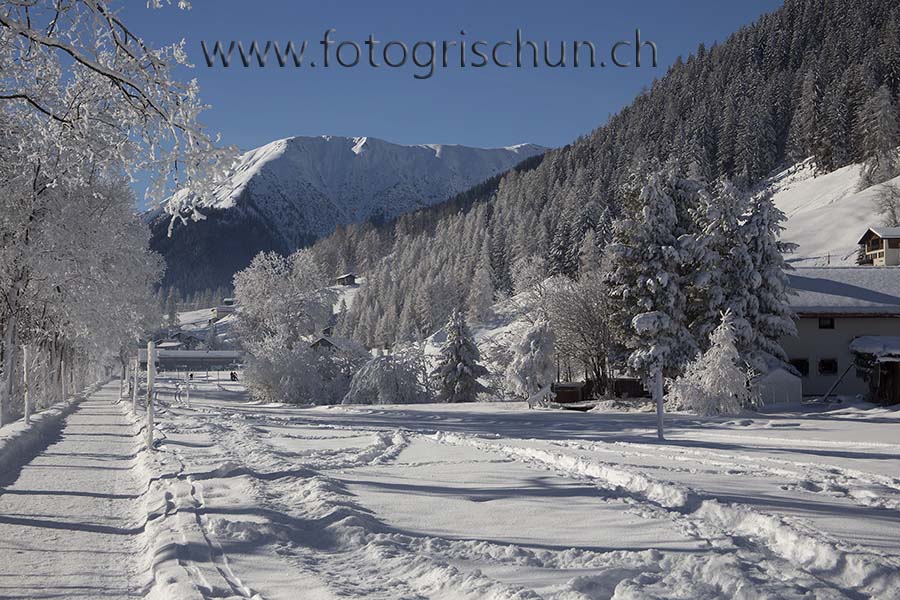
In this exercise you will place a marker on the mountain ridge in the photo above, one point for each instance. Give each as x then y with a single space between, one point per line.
286 194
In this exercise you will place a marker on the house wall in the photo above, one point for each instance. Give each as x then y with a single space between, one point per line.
884 253
815 344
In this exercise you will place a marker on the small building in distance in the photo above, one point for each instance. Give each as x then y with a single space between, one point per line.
346 279
228 306
880 247
323 343
188 340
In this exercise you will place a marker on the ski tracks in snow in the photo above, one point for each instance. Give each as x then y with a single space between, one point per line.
752 554
314 526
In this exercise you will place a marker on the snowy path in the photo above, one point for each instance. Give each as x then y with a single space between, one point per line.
67 525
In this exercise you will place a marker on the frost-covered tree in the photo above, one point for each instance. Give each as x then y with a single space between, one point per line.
284 305
646 284
301 374
394 378
458 371
533 365
528 273
481 287
716 382
76 289
580 316
880 132
172 308
721 265
589 255
768 309
81 86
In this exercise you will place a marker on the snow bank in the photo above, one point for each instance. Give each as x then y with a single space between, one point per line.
668 495
18 441
848 566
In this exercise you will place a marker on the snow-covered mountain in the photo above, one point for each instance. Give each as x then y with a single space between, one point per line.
290 192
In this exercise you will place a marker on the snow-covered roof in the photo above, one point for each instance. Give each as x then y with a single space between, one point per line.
876 345
846 291
220 354
885 233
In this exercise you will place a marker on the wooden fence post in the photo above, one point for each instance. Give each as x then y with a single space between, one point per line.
136 375
151 375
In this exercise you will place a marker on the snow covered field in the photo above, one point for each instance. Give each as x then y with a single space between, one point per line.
495 501
826 213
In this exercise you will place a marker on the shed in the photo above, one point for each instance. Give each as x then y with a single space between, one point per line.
572 392
779 386
323 343
878 358
347 279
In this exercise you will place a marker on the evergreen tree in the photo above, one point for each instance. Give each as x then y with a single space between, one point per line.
729 269
768 309
589 256
458 370
561 260
647 286
881 136
481 287
172 308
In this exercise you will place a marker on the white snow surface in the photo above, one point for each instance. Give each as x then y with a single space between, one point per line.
826 213
843 290
304 186
491 500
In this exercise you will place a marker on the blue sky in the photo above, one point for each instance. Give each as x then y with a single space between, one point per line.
479 107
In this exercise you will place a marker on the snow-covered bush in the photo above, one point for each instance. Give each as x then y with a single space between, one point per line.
301 374
459 369
532 366
390 379
284 304
714 383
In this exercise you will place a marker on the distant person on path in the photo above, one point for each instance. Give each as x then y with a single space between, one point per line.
234 376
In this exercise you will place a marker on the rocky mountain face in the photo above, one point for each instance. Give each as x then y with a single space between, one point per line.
290 192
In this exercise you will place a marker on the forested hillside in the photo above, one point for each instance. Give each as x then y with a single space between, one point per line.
817 78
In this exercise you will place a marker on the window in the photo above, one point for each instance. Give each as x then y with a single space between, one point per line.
828 366
826 323
894 244
802 365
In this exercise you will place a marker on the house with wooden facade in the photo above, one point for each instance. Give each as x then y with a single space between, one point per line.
880 247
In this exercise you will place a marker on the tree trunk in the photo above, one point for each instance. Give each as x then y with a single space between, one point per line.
9 361
134 390
658 396
26 384
63 384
